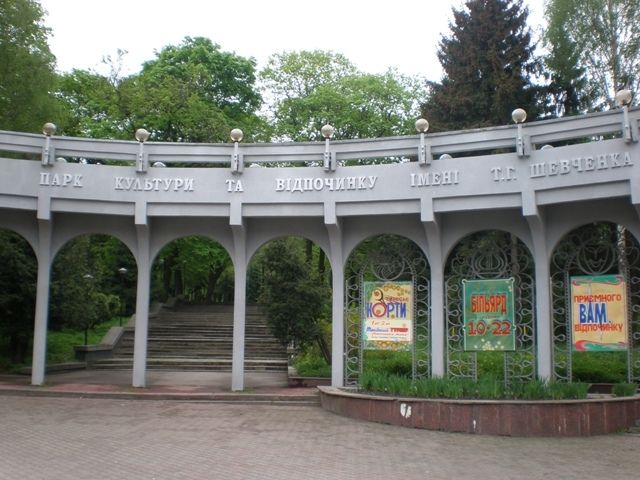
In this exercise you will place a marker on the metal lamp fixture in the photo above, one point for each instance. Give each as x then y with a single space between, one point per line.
424 151
327 132
519 116
142 160
237 159
48 129
623 98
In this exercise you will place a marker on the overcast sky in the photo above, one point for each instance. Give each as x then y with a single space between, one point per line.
375 35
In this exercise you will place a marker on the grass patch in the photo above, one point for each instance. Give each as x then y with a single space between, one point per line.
599 367
60 344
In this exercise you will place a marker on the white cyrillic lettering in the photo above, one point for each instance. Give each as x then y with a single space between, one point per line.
339 183
279 184
329 183
565 167
351 183
229 184
589 164
55 180
297 185
148 184
372 181
239 186
77 180
318 183
602 162
66 179
577 163
44 178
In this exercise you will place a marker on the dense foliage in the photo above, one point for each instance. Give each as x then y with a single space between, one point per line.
594 50
27 74
488 62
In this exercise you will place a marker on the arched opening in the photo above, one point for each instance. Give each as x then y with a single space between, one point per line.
595 274
387 309
490 321
191 319
18 277
92 289
290 280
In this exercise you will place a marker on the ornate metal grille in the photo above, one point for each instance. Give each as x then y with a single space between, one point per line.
491 255
595 249
387 258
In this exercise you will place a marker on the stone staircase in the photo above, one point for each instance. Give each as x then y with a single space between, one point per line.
200 338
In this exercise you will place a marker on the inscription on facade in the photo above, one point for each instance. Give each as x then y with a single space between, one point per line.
60 180
435 179
588 163
307 184
154 184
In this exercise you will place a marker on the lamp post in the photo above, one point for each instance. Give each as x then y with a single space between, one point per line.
237 164
519 116
123 308
424 151
623 98
142 136
327 132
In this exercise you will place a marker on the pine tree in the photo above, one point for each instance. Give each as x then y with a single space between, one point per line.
487 61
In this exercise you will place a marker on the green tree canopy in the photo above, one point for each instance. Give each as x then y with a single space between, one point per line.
594 47
27 67
195 92
488 64
311 88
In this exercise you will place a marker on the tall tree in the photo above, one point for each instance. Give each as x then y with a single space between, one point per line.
27 67
311 88
195 92
488 64
601 36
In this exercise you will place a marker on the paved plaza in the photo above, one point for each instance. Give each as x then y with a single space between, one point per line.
95 438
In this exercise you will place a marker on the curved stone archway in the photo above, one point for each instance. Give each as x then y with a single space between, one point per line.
535 194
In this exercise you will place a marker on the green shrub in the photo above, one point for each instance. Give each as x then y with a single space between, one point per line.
599 367
387 361
311 364
624 389
457 388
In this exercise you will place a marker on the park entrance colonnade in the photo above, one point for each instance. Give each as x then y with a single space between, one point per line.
538 182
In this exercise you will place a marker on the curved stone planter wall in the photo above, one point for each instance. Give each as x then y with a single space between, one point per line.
565 418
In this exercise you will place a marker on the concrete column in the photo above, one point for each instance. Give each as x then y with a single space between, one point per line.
337 302
142 308
438 320
239 307
337 324
38 364
543 316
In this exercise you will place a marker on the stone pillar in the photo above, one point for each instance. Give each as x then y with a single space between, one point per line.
142 308
39 361
543 316
438 320
337 302
239 307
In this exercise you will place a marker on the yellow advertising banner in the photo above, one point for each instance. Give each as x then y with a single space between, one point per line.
388 311
599 313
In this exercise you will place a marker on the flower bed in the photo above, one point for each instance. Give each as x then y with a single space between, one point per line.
543 418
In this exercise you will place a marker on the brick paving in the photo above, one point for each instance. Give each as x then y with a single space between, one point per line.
88 438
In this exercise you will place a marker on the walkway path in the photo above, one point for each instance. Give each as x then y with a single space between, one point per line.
71 438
